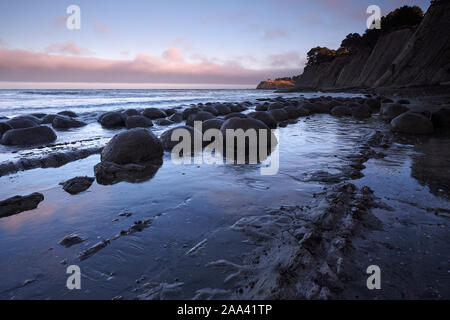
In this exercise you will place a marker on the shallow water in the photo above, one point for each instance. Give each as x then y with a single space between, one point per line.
188 203
89 104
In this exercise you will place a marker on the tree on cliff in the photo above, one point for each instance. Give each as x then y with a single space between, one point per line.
405 16
320 54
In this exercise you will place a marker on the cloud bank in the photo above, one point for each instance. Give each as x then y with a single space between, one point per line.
29 66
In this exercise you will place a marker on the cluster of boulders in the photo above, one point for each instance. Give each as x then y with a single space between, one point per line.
33 129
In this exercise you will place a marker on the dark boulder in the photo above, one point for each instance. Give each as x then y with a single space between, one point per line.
249 150
265 117
137 146
138 122
222 109
361 112
199 116
65 122
29 136
170 111
235 115
188 111
176 117
48 118
4 127
112 119
390 111
341 111
212 124
19 204
403 101
237 108
279 114
275 106
292 112
23 122
166 137
154 113
261 107
318 107
210 109
38 115
77 184
412 123
68 113
131 112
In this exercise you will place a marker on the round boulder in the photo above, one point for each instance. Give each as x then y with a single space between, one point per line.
131 112
222 109
279 114
199 116
212 124
265 117
361 112
187 112
4 127
136 146
249 148
153 113
235 115
65 122
176 117
29 136
390 111
138 121
112 119
412 123
23 122
166 137
341 111
68 113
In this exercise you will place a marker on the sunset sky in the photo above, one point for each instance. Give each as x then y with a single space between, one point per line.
145 43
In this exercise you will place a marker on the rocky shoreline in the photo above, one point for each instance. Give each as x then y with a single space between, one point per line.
305 251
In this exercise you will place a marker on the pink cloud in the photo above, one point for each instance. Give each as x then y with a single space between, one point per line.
28 66
173 54
68 47
101 28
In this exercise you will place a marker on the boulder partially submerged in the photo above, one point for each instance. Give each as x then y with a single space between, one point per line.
29 136
66 122
18 204
77 184
412 123
112 120
133 155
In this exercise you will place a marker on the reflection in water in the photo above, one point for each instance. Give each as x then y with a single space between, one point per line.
431 164
108 173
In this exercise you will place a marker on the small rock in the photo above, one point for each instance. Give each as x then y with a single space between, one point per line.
77 184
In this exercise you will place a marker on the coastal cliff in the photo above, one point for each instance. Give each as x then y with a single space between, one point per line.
402 56
281 83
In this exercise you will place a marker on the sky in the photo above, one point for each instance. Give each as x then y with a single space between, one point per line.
171 44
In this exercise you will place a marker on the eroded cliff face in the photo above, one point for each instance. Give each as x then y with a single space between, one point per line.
425 59
405 57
